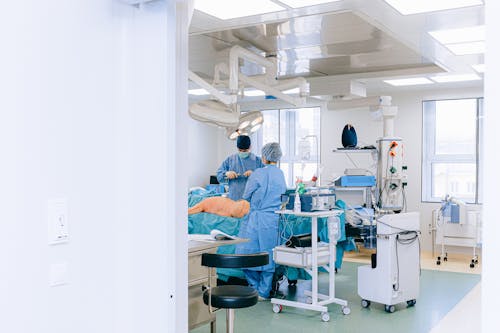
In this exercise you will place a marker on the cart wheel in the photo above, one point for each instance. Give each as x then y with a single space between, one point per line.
325 316
365 303
439 258
471 265
438 262
476 261
411 302
390 308
445 259
346 310
292 283
277 308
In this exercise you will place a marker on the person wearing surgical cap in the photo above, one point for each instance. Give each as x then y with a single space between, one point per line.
263 190
236 169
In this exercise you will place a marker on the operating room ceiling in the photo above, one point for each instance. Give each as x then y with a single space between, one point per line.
362 40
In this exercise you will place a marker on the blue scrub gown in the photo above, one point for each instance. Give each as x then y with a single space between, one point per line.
240 166
264 189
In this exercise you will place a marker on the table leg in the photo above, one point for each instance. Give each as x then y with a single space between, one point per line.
314 227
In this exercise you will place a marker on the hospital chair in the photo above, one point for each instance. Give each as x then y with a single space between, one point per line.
231 297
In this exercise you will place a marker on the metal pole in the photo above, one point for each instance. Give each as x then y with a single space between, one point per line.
229 320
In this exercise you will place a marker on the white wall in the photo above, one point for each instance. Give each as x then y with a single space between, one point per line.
408 125
83 116
203 152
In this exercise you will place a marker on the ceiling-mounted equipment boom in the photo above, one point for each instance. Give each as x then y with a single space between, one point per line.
224 111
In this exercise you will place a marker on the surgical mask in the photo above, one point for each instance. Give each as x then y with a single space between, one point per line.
244 154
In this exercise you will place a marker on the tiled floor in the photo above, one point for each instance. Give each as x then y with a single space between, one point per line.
448 300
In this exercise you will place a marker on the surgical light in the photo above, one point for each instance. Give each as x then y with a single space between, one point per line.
230 9
249 122
233 135
244 124
304 3
255 128
456 78
409 82
257 121
408 7
215 113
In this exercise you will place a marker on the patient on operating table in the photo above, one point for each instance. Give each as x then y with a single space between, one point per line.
221 206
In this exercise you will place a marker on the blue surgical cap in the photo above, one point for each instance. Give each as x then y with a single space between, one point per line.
243 142
272 152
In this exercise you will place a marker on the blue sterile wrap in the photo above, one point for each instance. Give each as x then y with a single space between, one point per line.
203 223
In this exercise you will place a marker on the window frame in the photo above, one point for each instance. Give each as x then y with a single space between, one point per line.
429 156
289 156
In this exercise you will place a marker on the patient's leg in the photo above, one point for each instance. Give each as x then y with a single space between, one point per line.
198 208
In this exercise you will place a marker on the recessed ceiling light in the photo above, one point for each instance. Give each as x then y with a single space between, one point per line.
198 92
478 68
467 48
456 78
254 93
409 82
461 35
229 9
304 3
407 7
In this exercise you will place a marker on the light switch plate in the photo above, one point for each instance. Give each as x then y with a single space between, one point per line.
58 221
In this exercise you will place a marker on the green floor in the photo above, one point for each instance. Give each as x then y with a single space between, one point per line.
439 293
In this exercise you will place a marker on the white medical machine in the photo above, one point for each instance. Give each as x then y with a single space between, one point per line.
394 274
456 224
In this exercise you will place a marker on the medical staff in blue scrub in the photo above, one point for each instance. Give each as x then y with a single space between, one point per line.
238 167
264 189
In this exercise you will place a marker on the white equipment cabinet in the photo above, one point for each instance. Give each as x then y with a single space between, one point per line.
396 276
311 259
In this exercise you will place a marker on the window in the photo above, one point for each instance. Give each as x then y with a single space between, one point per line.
298 132
451 138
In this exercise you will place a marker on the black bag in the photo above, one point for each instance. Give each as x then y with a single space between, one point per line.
304 240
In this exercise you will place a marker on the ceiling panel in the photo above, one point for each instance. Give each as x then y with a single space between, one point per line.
315 45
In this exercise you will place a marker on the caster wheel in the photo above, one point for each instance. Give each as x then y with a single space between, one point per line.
390 308
438 262
445 259
471 265
476 261
277 308
292 283
325 316
439 258
365 303
411 302
346 310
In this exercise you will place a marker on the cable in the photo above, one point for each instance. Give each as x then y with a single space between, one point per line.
405 207
406 241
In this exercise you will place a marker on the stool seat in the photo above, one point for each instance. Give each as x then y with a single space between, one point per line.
232 297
